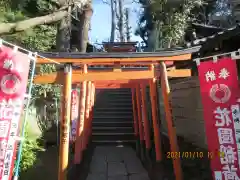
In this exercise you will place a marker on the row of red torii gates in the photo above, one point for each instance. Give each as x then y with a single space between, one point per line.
156 68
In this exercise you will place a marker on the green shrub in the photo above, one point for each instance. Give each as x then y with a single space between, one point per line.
29 152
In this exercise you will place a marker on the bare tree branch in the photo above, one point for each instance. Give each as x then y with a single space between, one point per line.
8 28
120 20
113 22
106 2
55 3
136 1
116 9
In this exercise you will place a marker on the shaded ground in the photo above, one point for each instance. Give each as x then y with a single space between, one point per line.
80 171
45 167
194 168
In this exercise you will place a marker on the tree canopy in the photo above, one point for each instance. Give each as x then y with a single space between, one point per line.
41 37
170 19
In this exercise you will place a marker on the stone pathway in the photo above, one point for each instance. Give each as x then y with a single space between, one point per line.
116 163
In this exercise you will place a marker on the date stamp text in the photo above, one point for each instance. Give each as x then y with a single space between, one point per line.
194 155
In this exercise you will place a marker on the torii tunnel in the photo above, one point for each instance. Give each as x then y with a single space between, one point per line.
93 71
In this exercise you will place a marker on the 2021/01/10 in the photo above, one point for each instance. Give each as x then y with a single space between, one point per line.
194 155
185 154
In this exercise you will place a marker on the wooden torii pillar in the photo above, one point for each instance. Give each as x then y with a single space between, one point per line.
91 110
170 126
80 123
87 115
65 122
135 120
139 118
156 126
146 127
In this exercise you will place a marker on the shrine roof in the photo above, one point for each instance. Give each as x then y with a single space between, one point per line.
203 30
120 43
208 27
99 55
219 36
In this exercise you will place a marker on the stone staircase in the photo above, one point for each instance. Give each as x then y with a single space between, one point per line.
113 118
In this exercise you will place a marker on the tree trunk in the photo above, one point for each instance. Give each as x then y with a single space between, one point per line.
116 11
120 21
84 27
63 38
64 30
128 28
113 22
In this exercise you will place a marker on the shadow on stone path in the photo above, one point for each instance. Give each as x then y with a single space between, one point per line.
194 168
116 163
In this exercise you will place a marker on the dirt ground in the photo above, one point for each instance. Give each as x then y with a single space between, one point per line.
45 167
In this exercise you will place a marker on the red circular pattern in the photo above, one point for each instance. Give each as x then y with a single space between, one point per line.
10 84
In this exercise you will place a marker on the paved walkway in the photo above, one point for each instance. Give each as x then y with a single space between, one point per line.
116 163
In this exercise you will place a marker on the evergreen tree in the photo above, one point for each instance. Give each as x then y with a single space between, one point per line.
221 15
168 21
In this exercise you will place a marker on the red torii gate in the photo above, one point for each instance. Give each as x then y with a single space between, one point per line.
115 78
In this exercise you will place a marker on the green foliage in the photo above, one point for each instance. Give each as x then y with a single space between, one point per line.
173 26
45 97
170 20
40 38
29 151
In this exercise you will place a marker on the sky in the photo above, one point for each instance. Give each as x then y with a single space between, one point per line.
101 21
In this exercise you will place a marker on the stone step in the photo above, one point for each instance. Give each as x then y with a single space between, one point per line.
112 133
113 105
112 129
127 94
115 113
115 95
113 109
114 101
102 123
112 123
119 100
123 93
117 143
112 117
107 137
126 91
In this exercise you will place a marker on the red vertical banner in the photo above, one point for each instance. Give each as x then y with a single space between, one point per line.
220 93
14 69
74 115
